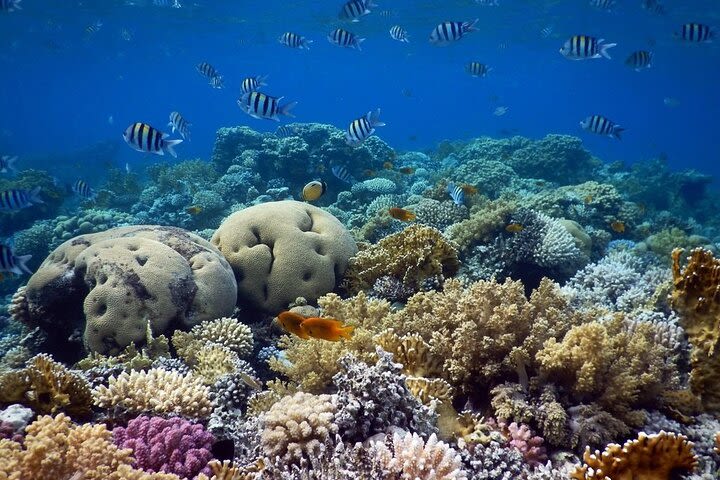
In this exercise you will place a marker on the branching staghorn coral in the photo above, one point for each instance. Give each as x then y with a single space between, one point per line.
413 457
155 391
47 387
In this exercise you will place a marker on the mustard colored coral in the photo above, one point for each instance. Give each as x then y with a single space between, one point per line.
227 332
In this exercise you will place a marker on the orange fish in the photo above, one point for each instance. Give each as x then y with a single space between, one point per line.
407 170
369 173
327 329
588 199
193 209
292 323
514 227
388 165
401 214
468 189
618 226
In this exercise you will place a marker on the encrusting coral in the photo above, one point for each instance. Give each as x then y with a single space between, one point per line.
649 457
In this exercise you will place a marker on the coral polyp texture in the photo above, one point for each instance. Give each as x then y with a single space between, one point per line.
280 251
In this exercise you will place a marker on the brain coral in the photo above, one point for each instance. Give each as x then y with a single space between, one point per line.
124 281
283 250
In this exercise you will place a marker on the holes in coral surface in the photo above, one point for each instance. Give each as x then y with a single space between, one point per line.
320 249
102 278
141 259
307 276
256 233
239 274
102 309
266 294
133 248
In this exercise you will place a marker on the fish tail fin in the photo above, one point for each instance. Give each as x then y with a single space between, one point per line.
261 80
604 49
285 109
35 195
470 26
617 131
306 44
20 266
346 332
169 144
10 162
16 5
374 118
358 42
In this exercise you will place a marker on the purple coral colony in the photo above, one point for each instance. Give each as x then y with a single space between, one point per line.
314 304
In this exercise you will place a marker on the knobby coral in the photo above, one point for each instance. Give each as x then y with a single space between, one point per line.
227 332
413 457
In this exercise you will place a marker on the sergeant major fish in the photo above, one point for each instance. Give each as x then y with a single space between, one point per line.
293 40
19 198
82 189
447 32
9 262
361 128
398 33
342 173
477 69
145 138
261 106
354 9
343 38
583 47
456 193
252 84
179 124
602 126
639 60
7 164
696 33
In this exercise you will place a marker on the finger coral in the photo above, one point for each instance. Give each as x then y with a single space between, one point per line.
156 391
650 457
484 222
696 297
413 457
416 253
47 387
227 332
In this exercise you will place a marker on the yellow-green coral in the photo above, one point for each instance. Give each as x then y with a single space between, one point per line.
130 358
227 332
46 386
208 360
485 221
416 253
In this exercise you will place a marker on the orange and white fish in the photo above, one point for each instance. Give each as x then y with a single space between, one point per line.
327 329
291 322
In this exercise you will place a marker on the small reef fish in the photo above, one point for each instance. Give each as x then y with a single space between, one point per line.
399 33
401 214
207 70
179 124
93 28
361 128
249 381
469 189
327 329
252 84
500 111
488 3
588 199
456 193
194 210
11 263
217 82
7 164
388 165
696 33
313 190
477 69
146 138
546 32
583 47
369 173
602 126
83 190
341 173
293 40
167 3
514 227
617 226
407 170
447 32
19 198
261 106
354 9
291 323
343 38
284 131
639 60
606 5
654 7
10 5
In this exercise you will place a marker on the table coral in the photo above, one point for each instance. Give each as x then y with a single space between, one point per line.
650 457
413 255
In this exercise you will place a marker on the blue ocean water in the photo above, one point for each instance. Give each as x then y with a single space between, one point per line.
60 85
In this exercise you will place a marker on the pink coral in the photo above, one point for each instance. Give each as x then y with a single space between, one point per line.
168 445
522 439
7 430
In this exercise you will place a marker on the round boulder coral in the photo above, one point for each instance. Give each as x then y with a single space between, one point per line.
283 250
125 281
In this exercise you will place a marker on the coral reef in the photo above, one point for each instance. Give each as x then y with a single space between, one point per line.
413 457
226 332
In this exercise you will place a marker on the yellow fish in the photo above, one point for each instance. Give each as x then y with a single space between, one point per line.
401 214
313 190
327 329
618 226
514 227
291 322
193 209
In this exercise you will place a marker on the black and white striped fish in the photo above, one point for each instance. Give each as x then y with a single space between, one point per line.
477 69
654 7
19 198
82 189
284 131
259 105
583 47
204 68
639 60
696 33
398 33
10 5
602 126
447 32
342 173
344 38
7 164
251 84
456 193
179 124
11 263
167 3
93 28
217 82
606 5
361 128
354 9
145 138
293 40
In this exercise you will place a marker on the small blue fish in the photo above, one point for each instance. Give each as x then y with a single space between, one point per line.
7 164
9 262
84 190
341 172
19 198
456 193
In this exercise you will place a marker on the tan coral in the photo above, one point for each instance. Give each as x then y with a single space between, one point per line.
155 391
214 361
412 351
47 387
283 250
485 221
298 426
412 255
227 332
228 470
650 457
426 390
696 297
